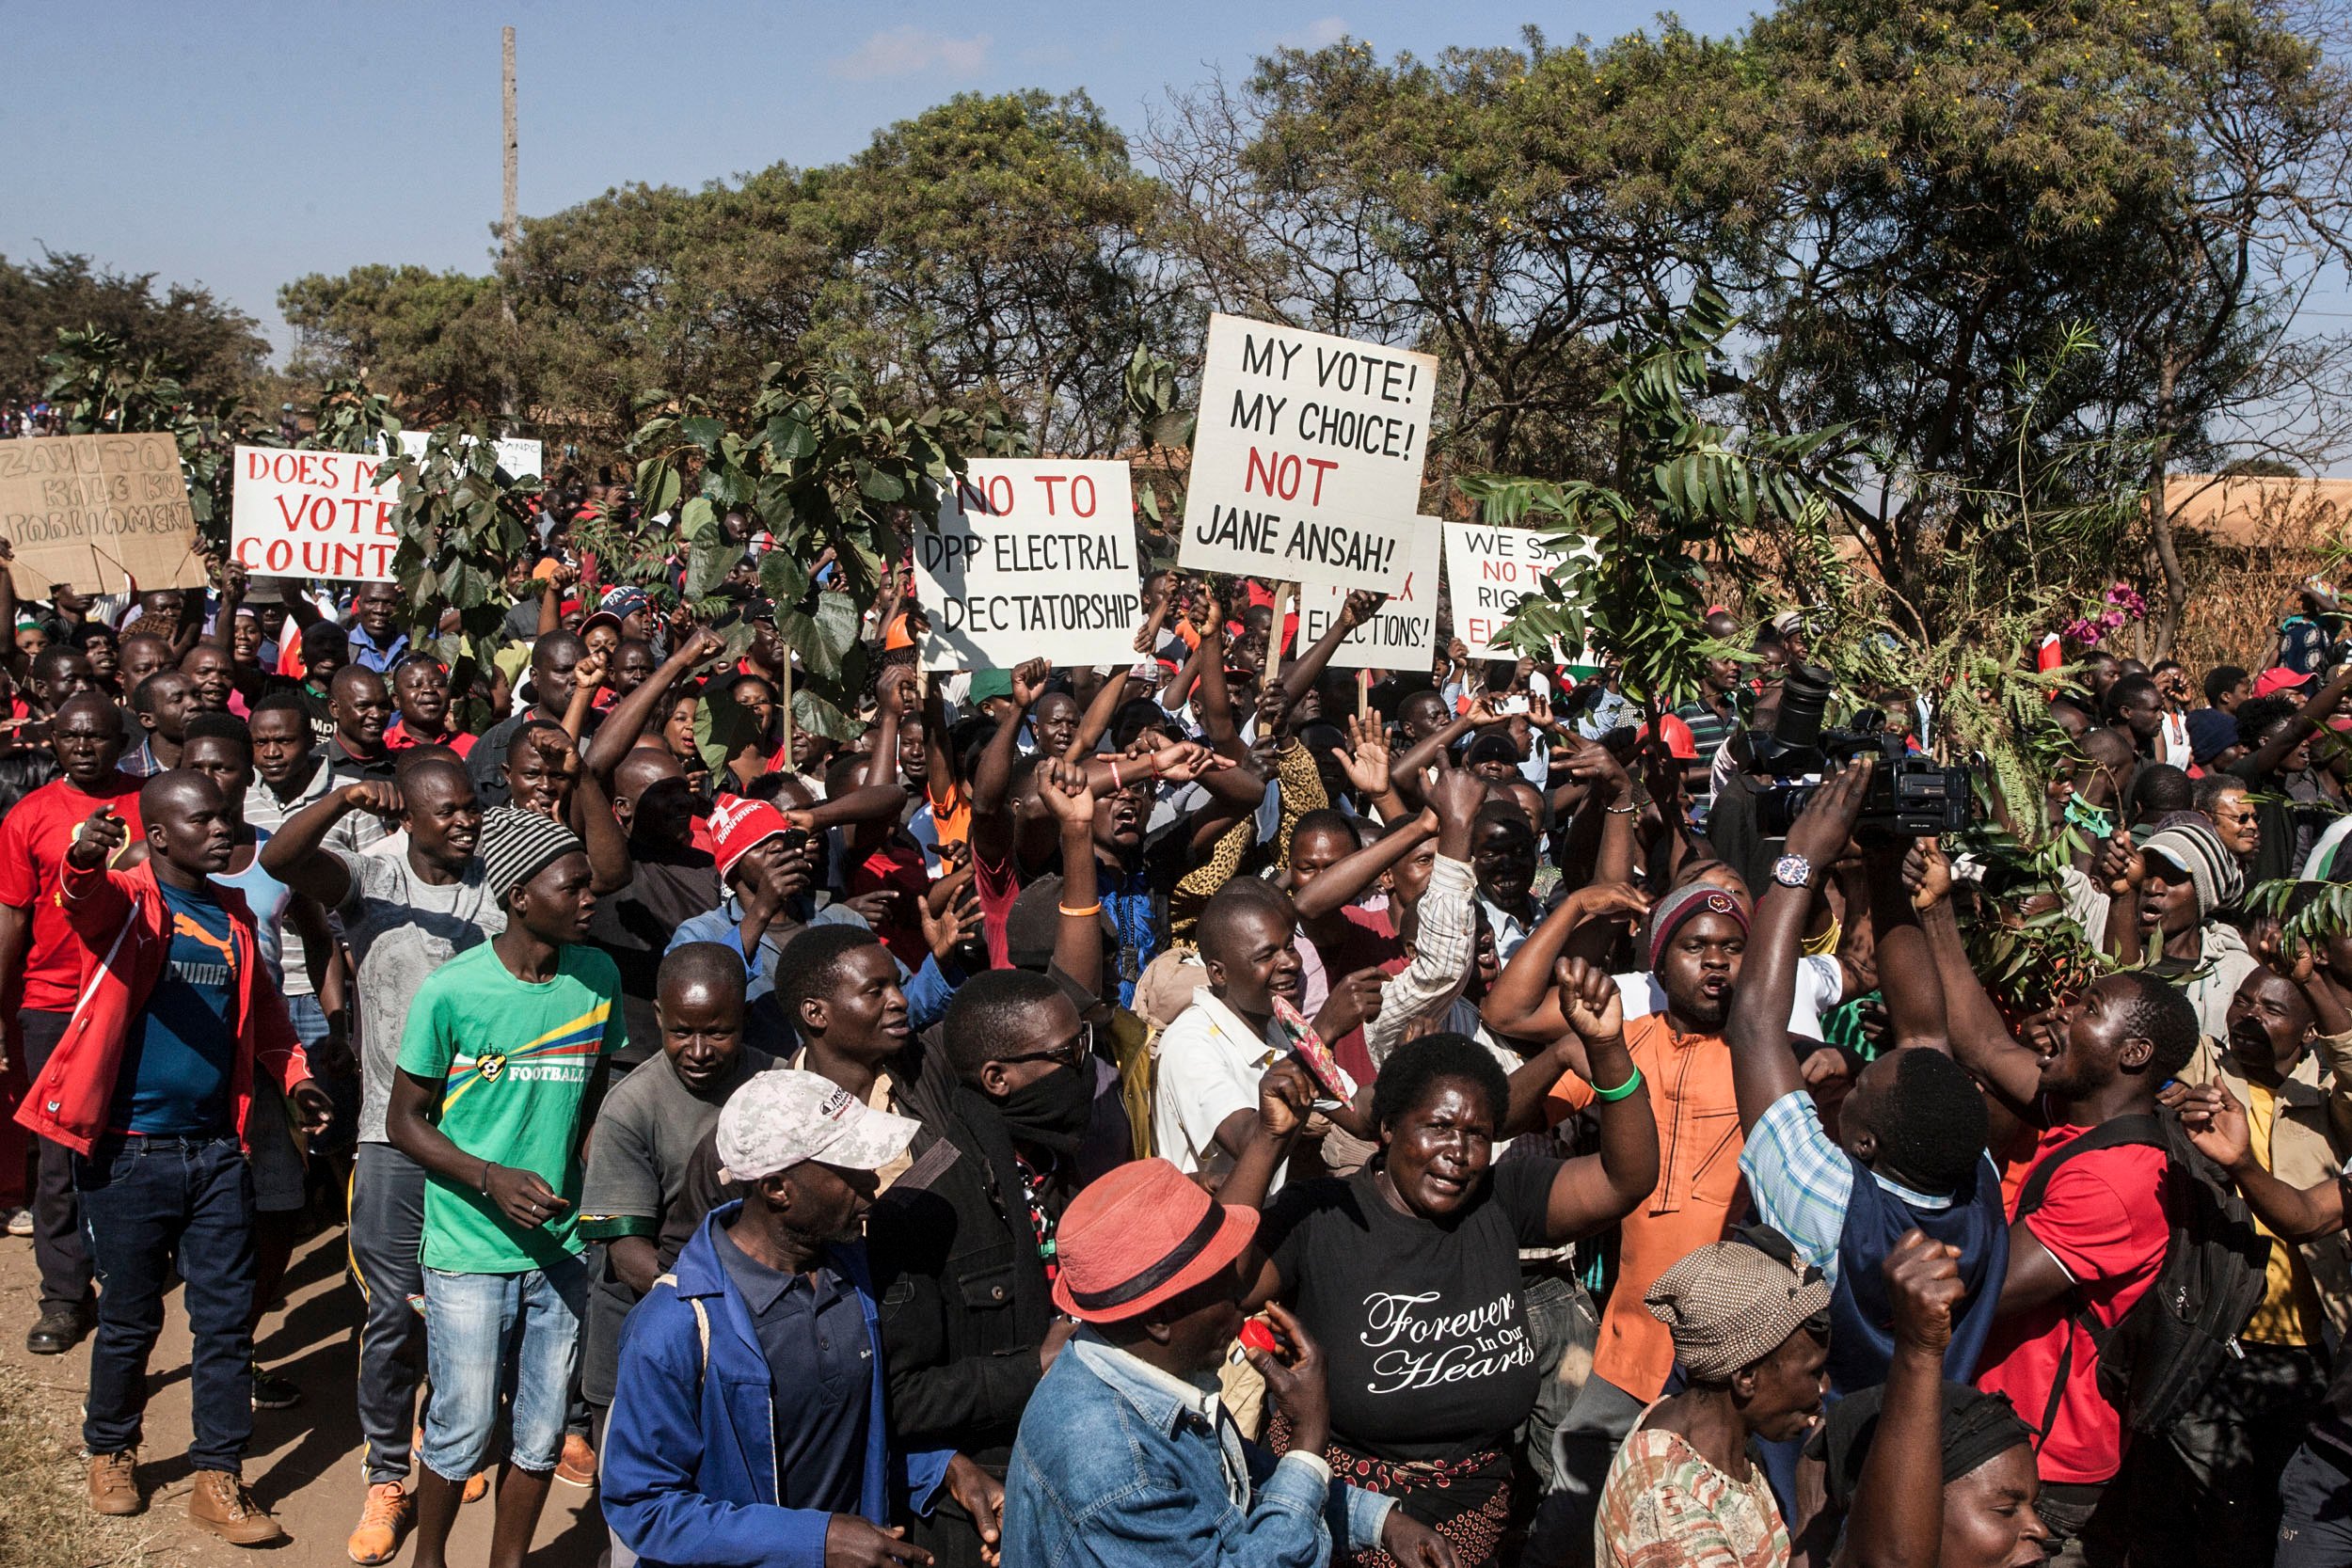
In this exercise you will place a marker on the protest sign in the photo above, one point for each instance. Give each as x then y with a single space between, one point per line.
518 456
312 514
1489 570
1033 558
1306 464
1403 635
90 510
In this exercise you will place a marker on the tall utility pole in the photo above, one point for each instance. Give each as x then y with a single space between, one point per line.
507 219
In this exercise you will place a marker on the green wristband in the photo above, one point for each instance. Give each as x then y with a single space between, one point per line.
1621 1090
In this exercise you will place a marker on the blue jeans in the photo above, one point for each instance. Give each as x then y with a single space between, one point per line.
147 1203
474 1324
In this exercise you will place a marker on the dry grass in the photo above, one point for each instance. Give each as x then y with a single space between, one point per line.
45 1520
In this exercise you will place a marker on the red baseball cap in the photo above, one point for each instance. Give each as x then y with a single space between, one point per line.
738 826
1142 1235
2278 678
1680 743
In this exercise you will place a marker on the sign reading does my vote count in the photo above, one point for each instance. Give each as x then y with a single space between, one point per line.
1033 558
1307 461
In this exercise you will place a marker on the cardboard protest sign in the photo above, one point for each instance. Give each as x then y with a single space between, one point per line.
89 510
1033 558
312 514
1307 462
1489 570
1403 635
518 456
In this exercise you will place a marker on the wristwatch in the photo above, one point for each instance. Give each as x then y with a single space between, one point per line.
1793 871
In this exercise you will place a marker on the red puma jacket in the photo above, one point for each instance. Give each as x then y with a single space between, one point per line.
126 931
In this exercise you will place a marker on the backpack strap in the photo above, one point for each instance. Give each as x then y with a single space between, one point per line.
2115 1132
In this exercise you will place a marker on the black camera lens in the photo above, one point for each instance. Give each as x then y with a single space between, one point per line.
1804 693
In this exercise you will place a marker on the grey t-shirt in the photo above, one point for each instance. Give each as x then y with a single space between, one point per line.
401 928
644 1140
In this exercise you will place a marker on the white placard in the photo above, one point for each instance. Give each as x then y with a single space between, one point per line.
312 514
1305 465
518 456
1033 558
1403 635
1489 570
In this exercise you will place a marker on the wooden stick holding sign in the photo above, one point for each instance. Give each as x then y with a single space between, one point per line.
1274 635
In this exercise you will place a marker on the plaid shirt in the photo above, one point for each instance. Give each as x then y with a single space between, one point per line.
1801 1180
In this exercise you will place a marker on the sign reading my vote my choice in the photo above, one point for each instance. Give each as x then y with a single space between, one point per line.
1307 462
1033 558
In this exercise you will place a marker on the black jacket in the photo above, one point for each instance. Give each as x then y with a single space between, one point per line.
965 1304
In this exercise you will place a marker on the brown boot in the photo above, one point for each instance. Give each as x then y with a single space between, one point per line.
114 1483
220 1503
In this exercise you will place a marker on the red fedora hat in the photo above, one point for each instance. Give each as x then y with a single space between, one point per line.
1142 1235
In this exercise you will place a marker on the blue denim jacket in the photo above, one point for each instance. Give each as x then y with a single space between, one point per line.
1114 1470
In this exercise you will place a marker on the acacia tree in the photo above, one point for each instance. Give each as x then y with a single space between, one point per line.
1682 493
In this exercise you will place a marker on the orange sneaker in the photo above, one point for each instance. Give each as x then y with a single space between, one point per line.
578 1467
384 1519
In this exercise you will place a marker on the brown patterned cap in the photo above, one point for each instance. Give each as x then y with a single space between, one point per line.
1731 1304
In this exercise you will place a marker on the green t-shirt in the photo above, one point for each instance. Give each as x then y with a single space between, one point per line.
513 1061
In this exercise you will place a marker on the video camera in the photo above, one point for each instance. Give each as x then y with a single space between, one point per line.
1911 797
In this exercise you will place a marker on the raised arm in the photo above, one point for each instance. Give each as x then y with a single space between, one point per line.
1078 930
2313 712
1346 880
992 777
2215 1123
1980 1040
1360 607
233 581
617 735
1763 1068
1597 1190
1896 1520
1521 1003
296 854
1095 722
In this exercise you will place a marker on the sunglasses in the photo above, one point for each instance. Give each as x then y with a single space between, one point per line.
1071 1052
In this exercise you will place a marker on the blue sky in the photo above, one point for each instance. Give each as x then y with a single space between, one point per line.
243 144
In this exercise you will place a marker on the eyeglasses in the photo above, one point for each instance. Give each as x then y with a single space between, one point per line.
1071 1052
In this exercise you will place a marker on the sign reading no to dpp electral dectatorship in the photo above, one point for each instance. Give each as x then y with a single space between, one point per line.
312 514
1306 464
1033 558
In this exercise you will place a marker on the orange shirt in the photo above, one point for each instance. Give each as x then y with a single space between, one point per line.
1698 1189
951 816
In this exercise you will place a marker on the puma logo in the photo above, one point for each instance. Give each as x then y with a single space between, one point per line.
183 926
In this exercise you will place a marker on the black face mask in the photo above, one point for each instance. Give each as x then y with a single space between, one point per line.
1051 1113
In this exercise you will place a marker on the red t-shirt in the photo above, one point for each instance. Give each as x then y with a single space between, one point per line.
897 867
2103 1218
998 885
1366 941
398 739
34 837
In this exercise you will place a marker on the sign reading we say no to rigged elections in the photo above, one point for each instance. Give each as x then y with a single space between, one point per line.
312 514
1491 570
1307 462
1033 558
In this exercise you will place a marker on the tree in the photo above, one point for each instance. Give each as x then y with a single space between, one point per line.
1938 195
214 350
818 469
994 249
1684 492
432 341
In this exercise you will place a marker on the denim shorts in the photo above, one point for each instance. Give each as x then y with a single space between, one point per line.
488 1333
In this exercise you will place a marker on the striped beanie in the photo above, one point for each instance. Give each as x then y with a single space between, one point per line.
518 845
2189 842
1686 903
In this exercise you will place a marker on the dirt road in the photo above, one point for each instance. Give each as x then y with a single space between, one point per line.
305 1461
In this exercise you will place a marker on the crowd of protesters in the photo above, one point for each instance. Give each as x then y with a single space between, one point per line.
1206 1109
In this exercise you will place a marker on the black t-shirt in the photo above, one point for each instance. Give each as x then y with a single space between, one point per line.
1423 1331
